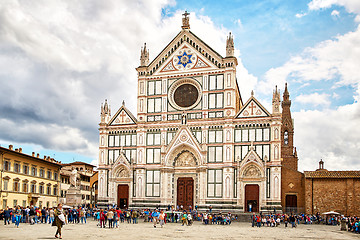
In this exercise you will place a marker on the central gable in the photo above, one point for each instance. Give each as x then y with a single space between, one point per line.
185 52
186 58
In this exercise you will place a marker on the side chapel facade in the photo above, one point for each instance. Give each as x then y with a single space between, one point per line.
194 141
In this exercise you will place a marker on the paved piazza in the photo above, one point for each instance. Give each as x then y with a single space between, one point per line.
172 231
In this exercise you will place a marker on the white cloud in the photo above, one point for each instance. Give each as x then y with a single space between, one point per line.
70 56
300 15
239 23
352 6
327 60
335 96
314 99
335 13
332 135
95 162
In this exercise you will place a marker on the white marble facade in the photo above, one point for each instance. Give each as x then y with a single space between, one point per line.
191 125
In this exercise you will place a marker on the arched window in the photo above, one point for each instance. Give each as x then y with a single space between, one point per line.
286 137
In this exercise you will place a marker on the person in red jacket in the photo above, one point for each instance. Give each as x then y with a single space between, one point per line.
102 218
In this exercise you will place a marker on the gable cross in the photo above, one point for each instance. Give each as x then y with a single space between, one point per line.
252 106
185 21
122 115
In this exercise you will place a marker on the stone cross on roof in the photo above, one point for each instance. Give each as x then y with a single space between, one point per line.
185 21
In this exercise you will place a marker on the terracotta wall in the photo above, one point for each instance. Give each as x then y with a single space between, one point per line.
292 183
332 194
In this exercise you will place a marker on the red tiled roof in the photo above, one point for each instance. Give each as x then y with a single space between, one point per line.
332 174
78 163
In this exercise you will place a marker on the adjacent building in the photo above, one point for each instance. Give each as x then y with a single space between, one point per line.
94 185
85 171
28 179
332 191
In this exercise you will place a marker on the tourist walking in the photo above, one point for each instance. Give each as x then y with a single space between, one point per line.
184 218
155 214
51 215
162 218
59 220
7 215
17 216
102 219
110 217
82 215
43 215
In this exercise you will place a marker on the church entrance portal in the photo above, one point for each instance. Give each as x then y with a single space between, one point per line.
291 203
123 196
252 198
185 192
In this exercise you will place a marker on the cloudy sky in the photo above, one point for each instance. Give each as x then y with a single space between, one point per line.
59 60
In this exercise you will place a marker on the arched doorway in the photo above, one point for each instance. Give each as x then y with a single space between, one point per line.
252 198
291 203
123 196
185 164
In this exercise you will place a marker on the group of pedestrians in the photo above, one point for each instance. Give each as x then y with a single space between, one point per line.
274 220
77 215
353 224
32 215
113 216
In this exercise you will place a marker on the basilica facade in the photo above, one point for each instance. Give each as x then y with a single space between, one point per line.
194 141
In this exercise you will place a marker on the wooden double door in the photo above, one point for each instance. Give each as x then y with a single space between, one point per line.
123 196
291 204
185 192
252 198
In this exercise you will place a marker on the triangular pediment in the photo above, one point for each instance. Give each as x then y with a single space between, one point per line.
122 116
175 56
185 137
121 167
252 108
252 158
185 58
121 160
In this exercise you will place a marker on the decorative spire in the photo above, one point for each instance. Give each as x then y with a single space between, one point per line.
106 107
286 97
105 112
144 56
185 21
276 100
286 93
123 103
252 93
230 46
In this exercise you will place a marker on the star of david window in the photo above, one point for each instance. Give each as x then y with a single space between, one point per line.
184 59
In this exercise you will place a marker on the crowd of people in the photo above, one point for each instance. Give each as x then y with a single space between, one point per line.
36 215
353 224
274 220
112 217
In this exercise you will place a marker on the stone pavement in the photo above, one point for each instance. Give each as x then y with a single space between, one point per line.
172 231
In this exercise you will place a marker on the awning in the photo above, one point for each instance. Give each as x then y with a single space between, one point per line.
331 213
